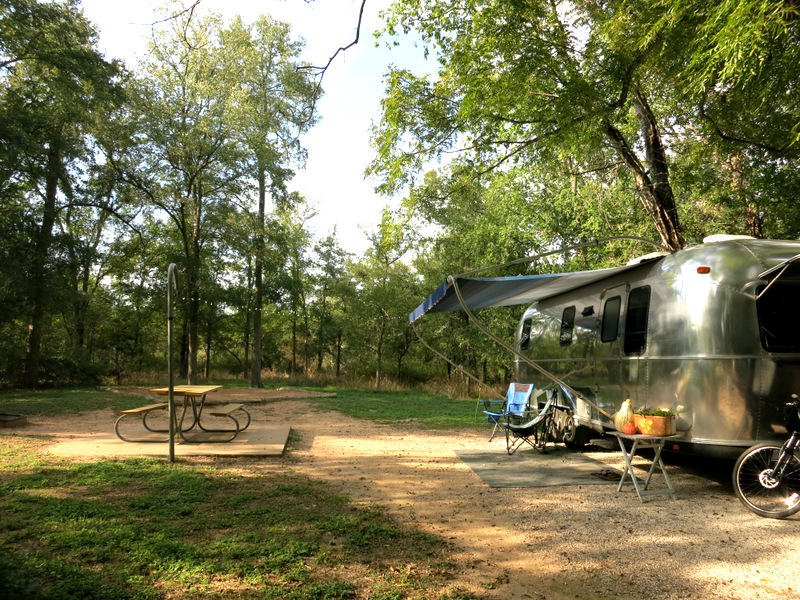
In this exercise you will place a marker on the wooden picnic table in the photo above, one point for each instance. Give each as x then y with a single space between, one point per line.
193 403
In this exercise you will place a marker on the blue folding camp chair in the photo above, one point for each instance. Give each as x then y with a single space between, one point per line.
535 432
513 408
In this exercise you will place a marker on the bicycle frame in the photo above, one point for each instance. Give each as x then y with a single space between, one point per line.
788 448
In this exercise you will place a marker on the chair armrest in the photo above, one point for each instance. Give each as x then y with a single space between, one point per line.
496 406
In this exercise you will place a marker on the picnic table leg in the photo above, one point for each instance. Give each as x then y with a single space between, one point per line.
146 426
197 415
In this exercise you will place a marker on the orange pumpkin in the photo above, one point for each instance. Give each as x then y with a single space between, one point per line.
629 428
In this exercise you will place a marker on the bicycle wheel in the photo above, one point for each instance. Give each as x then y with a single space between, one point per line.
758 490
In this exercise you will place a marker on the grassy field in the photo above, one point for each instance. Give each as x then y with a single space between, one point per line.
148 529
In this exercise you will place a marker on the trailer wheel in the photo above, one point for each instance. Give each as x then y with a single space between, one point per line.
575 436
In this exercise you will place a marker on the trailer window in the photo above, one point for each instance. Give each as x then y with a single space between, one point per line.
525 337
567 325
778 318
609 327
636 320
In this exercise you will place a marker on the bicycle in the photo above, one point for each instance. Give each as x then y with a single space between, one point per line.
766 477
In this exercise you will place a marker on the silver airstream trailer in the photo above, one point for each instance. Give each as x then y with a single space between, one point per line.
711 332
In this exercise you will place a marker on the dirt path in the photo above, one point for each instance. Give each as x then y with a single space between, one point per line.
582 541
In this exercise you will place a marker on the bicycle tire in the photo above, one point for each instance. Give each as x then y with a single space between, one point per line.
767 498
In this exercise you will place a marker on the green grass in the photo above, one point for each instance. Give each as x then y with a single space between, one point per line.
407 407
55 402
145 529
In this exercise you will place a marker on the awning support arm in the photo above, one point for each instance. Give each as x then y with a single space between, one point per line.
774 279
450 362
485 330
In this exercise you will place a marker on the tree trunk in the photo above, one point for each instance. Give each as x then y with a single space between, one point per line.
183 367
338 353
193 318
209 336
294 344
306 340
257 352
753 220
379 353
44 238
193 285
652 184
257 358
320 331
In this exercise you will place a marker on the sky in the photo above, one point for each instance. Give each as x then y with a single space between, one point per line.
338 146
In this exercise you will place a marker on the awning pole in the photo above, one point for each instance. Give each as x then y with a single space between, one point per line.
485 330
447 360
774 279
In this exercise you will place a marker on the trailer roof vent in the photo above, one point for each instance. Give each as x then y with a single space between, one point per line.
724 237
647 257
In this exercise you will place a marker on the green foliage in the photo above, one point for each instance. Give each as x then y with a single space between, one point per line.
647 411
567 92
543 114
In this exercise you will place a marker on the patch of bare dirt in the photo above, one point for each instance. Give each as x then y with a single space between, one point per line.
581 541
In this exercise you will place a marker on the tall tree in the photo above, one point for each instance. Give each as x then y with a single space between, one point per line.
330 291
387 289
516 79
295 219
55 88
276 109
519 79
189 165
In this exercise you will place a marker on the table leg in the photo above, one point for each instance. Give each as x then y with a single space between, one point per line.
657 445
188 402
628 470
197 413
657 460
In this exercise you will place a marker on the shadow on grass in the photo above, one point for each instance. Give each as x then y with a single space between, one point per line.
145 529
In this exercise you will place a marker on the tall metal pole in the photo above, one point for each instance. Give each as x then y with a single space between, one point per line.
171 283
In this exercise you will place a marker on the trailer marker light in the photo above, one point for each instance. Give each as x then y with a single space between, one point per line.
703 270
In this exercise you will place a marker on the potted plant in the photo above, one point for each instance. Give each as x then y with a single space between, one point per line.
650 421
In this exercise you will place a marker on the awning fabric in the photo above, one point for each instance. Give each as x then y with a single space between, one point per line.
488 292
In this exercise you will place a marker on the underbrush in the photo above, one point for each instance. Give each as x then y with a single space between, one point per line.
457 386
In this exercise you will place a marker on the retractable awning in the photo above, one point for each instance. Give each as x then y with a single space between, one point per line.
485 292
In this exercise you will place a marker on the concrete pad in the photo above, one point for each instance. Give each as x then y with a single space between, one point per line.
260 439
529 469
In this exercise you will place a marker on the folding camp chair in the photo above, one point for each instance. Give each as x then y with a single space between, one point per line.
534 432
514 406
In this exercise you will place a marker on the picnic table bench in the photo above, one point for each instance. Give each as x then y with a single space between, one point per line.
193 405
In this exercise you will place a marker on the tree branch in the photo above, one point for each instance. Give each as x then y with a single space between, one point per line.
730 138
320 71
